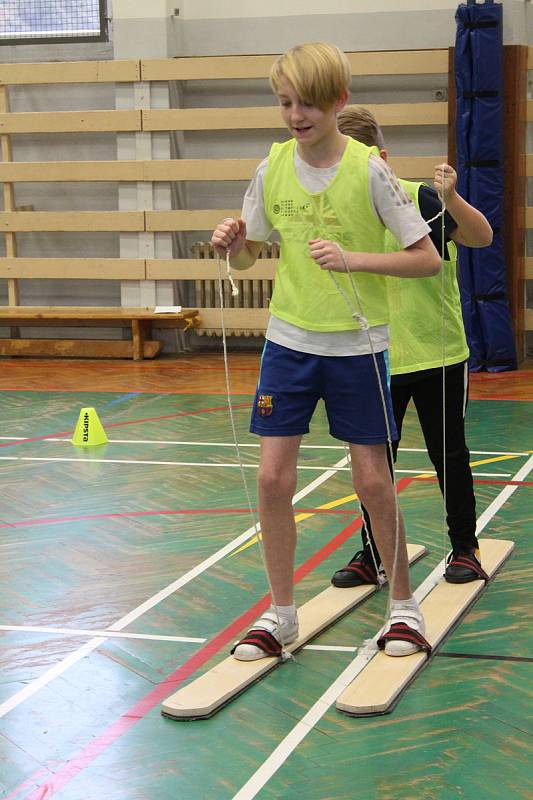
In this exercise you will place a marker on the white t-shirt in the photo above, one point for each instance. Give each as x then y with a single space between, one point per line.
392 207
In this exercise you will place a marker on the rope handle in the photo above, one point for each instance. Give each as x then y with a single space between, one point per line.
234 289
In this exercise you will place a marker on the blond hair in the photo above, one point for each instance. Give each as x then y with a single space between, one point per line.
361 124
318 71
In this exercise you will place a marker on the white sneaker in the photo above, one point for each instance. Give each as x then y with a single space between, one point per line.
413 619
269 623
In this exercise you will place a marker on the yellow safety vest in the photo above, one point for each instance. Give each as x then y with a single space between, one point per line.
304 294
416 308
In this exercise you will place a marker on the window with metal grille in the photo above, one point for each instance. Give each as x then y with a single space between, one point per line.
40 21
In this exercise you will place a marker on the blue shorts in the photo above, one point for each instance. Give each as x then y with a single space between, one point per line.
291 384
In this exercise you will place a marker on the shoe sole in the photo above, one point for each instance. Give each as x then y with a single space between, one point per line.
400 655
468 579
347 584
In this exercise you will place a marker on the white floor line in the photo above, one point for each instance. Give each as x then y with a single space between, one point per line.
281 753
152 637
330 648
504 495
58 669
172 442
302 467
278 757
215 465
250 445
107 633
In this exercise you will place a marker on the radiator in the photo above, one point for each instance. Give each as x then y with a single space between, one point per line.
252 293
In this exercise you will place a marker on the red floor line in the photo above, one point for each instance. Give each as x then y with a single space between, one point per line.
176 391
502 399
28 783
28 523
128 422
164 512
509 374
113 732
158 367
199 511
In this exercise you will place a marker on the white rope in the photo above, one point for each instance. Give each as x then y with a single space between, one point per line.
381 580
358 315
234 290
285 655
440 214
443 355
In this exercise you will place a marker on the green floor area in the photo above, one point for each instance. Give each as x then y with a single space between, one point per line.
87 536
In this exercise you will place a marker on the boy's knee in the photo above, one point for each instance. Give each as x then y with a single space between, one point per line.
276 482
373 488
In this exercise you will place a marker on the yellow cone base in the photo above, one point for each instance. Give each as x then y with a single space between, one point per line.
89 430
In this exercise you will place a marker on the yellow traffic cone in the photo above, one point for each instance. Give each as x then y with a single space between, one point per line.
89 430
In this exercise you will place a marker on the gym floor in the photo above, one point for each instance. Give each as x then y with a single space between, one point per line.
114 593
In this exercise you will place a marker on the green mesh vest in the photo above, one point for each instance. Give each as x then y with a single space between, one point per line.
304 294
415 306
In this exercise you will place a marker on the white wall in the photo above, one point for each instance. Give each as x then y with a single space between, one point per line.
253 25
216 9
143 29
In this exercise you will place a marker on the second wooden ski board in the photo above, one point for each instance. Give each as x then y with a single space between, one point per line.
383 679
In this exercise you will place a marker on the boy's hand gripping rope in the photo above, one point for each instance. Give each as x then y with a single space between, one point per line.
234 290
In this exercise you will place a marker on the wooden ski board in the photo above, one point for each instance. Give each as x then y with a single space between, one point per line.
379 685
205 695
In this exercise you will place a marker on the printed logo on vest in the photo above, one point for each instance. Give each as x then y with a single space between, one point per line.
264 405
290 208
312 219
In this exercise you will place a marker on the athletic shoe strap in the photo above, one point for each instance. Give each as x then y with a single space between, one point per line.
464 560
363 571
264 640
400 632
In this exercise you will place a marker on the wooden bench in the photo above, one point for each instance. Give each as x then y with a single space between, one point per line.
138 320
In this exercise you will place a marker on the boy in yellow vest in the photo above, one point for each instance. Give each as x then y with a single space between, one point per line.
416 355
331 200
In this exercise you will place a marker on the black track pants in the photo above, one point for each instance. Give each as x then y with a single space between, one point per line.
425 389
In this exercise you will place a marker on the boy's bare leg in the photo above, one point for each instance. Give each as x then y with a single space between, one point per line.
372 482
276 482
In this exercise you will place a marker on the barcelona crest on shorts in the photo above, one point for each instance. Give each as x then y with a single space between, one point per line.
264 405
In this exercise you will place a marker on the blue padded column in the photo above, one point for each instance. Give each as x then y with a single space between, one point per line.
479 87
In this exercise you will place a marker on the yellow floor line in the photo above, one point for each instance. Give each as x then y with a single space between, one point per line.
350 497
300 517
